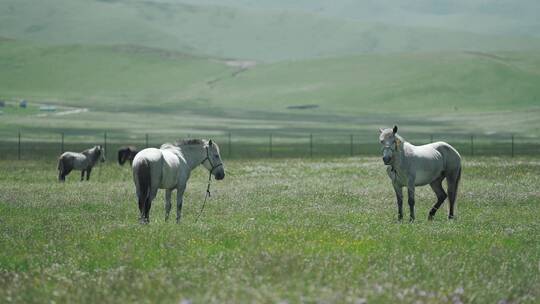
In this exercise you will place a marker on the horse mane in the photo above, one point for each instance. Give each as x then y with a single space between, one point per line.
87 151
190 142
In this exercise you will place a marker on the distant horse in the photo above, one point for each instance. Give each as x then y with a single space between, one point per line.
127 153
410 166
169 168
83 161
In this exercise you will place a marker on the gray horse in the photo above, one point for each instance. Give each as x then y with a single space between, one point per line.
410 166
83 161
169 168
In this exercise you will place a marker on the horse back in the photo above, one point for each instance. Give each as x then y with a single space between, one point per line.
73 160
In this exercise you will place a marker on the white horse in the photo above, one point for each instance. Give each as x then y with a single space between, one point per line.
169 168
410 166
83 161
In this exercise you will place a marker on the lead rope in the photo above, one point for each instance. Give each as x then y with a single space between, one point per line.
205 197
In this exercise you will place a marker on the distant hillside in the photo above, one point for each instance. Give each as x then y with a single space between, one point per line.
134 78
210 30
111 77
494 17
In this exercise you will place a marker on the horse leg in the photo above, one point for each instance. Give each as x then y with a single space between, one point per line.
179 201
453 182
82 175
399 197
167 204
88 173
410 193
436 186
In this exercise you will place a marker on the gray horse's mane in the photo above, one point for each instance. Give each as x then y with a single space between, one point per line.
90 150
178 146
190 142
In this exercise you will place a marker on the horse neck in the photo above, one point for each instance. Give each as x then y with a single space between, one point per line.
399 159
194 155
92 155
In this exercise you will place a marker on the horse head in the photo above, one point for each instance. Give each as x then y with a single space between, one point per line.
101 153
391 143
213 161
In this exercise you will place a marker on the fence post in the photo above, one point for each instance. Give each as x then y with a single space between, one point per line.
310 144
472 145
229 146
146 139
270 145
62 144
19 147
105 143
352 145
512 145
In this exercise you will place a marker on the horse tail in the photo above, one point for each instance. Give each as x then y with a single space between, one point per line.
143 175
61 168
60 165
121 159
458 178
453 185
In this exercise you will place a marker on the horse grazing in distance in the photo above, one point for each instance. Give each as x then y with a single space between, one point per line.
410 166
127 153
83 161
169 168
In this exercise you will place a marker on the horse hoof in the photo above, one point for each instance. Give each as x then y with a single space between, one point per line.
411 220
430 217
450 217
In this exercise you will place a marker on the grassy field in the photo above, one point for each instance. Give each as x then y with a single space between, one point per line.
321 230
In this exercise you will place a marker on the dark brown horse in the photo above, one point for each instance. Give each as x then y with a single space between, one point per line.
127 153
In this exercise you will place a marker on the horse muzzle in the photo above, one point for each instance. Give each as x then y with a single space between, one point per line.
219 175
387 160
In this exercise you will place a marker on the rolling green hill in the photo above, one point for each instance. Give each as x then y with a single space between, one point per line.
494 17
263 35
127 85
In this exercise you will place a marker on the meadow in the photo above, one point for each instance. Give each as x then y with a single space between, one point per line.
294 93
291 230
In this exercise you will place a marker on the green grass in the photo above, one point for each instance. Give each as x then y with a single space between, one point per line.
274 230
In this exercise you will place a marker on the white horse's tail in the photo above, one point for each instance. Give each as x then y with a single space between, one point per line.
60 167
143 175
456 184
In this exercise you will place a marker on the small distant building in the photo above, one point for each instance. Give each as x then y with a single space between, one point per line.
23 103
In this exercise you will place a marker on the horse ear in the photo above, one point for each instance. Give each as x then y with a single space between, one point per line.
210 143
395 129
381 130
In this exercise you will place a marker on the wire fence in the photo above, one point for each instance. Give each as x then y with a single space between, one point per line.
37 145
